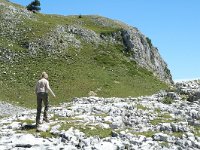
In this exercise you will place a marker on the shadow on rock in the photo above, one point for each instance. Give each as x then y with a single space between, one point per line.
28 127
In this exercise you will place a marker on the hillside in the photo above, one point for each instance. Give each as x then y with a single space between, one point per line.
80 54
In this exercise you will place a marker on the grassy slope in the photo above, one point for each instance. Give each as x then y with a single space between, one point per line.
105 70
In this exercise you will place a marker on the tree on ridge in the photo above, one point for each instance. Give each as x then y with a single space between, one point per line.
34 6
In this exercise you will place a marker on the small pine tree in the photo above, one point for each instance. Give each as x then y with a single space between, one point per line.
149 42
34 6
80 16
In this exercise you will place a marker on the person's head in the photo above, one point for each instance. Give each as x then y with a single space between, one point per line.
44 75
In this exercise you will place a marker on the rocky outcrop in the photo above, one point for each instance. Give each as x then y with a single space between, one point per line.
63 37
10 17
189 88
145 54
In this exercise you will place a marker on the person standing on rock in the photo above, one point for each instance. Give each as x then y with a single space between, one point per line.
41 90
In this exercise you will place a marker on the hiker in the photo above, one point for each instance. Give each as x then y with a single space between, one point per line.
41 90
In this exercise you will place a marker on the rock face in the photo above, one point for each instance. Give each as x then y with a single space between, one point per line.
108 123
13 26
144 53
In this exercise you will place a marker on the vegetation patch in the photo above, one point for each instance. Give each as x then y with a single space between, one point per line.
88 130
162 118
197 131
167 100
149 42
184 97
158 110
46 134
164 144
165 115
27 121
101 115
96 131
177 134
146 133
140 106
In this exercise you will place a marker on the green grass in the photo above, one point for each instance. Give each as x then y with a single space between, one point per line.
75 80
197 131
158 110
184 97
167 100
88 130
97 131
146 133
177 134
164 144
9 44
101 115
76 77
46 134
75 72
140 106
151 133
165 115
162 118
27 121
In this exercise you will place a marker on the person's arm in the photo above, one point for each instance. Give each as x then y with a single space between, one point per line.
48 87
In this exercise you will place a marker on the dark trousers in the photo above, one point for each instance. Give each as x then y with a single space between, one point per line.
42 97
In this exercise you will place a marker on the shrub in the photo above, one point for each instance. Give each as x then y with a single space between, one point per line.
80 16
149 42
167 100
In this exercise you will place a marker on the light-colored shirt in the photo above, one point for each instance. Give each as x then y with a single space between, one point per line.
43 86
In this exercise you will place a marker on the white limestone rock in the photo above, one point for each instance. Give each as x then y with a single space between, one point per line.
161 137
105 145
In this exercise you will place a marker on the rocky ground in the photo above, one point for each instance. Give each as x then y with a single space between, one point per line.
7 109
165 120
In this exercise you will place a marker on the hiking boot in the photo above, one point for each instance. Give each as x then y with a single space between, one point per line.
46 120
37 129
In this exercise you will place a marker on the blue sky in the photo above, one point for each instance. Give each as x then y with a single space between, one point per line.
172 25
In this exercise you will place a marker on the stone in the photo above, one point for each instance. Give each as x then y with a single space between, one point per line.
55 129
92 93
105 145
43 127
190 136
161 137
166 127
15 125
